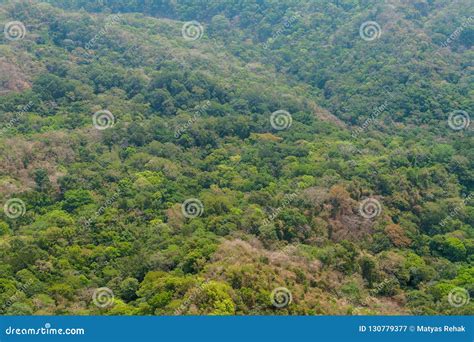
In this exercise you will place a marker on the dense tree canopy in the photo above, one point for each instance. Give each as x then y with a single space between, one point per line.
150 166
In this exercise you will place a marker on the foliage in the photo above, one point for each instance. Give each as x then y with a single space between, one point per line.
191 120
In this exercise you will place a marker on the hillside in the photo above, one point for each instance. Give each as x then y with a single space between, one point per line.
236 157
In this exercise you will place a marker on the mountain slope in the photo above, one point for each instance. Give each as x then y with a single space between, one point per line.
113 120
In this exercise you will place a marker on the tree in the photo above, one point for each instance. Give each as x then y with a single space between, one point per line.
369 269
74 199
43 184
128 288
449 247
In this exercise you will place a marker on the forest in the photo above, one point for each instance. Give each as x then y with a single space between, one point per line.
236 157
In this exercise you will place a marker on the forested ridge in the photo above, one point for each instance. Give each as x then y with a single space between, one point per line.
236 157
